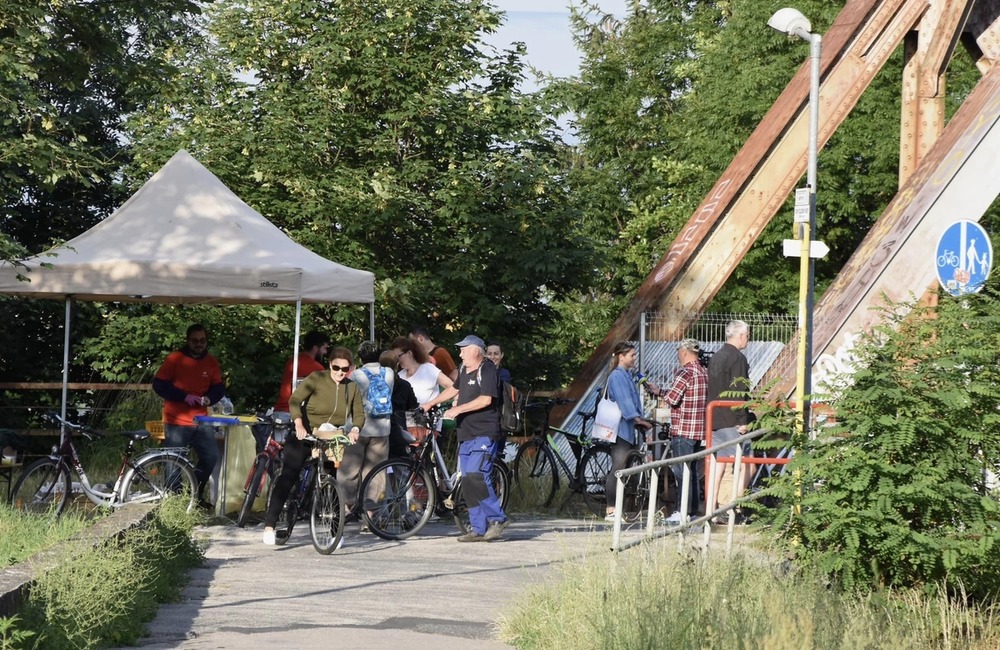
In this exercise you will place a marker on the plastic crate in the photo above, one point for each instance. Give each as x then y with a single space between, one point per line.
155 428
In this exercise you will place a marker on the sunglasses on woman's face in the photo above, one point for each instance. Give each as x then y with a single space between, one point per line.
337 368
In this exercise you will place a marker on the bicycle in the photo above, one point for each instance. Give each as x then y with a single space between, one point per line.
400 495
143 477
637 486
266 466
539 460
317 493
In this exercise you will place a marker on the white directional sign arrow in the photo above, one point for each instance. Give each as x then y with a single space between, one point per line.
793 248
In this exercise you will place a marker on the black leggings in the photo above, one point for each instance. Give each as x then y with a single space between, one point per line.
619 452
294 457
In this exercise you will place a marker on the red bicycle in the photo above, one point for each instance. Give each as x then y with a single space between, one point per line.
267 464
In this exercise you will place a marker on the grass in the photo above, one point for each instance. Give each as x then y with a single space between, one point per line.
22 535
653 597
103 595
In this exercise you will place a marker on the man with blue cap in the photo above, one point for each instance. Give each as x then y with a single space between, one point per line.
478 420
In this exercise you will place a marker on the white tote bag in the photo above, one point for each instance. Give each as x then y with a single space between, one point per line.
607 419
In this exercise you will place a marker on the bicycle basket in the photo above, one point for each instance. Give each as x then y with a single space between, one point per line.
334 453
418 425
536 418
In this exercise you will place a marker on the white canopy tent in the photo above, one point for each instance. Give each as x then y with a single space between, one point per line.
185 238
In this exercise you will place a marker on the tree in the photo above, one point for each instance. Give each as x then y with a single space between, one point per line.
70 73
894 494
385 136
664 101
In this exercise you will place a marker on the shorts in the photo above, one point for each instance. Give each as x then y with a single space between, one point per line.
720 436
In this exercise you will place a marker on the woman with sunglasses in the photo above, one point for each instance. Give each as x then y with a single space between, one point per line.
327 397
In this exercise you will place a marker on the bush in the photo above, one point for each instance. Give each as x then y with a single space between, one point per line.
894 493
102 596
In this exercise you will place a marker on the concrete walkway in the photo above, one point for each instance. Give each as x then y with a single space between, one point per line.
427 592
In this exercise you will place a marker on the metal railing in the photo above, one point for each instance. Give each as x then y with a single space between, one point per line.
679 529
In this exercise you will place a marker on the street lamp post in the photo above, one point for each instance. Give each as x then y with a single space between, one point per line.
792 22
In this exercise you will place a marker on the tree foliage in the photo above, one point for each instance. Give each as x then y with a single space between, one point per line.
894 493
664 101
386 136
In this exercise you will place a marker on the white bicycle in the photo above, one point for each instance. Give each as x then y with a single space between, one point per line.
149 476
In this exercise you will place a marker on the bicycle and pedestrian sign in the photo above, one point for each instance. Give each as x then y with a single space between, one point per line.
964 258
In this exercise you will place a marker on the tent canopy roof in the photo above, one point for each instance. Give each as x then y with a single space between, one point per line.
184 237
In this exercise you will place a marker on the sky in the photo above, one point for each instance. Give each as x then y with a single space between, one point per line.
543 26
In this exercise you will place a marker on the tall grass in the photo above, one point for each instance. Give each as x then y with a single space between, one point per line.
102 595
22 535
652 597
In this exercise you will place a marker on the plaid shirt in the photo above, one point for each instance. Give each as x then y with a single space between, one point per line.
687 401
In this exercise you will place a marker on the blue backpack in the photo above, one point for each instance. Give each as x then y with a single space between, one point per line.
378 399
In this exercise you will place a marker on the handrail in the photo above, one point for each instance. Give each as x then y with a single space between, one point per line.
621 474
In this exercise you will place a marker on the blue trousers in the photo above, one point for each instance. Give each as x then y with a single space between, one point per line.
202 440
475 459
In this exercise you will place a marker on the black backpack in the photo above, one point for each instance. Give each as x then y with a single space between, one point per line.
511 408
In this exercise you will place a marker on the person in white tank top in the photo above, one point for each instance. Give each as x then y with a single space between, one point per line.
415 367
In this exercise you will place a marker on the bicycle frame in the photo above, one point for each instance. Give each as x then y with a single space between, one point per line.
65 453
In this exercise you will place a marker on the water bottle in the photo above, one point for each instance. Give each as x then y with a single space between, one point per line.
226 406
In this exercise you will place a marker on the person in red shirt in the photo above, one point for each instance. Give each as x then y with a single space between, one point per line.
189 381
315 345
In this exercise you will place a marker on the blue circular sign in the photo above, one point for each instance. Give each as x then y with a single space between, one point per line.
964 258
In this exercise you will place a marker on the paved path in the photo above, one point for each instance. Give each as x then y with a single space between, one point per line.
427 592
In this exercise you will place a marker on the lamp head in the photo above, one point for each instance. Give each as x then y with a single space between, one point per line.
792 22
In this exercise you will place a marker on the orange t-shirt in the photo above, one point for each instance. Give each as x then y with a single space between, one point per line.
307 366
193 377
442 359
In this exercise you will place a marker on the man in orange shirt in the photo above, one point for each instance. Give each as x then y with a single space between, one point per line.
440 356
189 381
314 348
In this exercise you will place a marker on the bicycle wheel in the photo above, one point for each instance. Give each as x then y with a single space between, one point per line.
636 489
326 525
501 482
592 476
255 482
500 487
43 488
535 478
398 499
158 475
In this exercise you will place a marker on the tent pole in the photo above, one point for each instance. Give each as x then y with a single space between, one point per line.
65 377
371 321
295 343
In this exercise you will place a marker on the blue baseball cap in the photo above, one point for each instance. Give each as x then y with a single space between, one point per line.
471 339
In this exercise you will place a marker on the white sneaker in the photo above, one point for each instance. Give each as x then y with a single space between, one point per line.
675 518
269 537
609 517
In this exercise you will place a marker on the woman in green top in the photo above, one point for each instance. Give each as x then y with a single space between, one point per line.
327 397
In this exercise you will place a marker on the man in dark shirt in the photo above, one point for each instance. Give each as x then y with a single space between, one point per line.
729 371
478 420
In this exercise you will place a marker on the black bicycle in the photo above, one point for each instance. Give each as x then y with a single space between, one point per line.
653 445
539 460
316 492
400 495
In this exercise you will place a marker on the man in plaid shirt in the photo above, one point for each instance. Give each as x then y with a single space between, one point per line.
687 421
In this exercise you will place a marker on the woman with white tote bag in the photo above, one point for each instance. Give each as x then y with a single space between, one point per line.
622 391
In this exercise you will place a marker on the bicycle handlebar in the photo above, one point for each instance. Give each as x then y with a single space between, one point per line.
79 428
340 438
